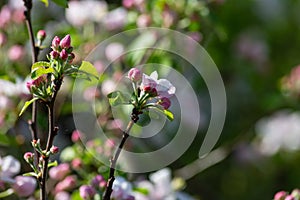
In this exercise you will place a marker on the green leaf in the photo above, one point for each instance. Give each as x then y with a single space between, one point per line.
53 164
45 2
27 103
117 98
144 119
39 64
62 3
169 115
30 174
89 69
6 193
41 71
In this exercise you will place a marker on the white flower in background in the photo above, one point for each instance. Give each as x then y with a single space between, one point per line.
108 86
113 51
9 167
162 184
115 19
279 131
81 12
122 189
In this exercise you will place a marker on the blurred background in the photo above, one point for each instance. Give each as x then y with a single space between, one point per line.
255 45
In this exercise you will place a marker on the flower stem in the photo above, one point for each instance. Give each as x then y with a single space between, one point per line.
113 162
34 54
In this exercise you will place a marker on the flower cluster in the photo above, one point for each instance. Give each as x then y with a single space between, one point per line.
283 195
149 91
62 49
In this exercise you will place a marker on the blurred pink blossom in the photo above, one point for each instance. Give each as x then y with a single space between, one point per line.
10 166
16 53
24 185
62 196
60 171
115 19
113 51
5 16
81 12
69 183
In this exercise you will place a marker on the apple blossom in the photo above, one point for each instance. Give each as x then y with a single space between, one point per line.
24 185
86 192
134 74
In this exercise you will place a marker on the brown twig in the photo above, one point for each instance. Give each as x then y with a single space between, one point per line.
34 53
113 162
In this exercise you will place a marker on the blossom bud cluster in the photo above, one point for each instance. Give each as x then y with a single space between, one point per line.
152 87
62 49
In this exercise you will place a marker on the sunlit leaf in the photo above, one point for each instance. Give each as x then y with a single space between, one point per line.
6 193
169 115
39 64
46 2
41 71
89 69
30 174
27 103
118 98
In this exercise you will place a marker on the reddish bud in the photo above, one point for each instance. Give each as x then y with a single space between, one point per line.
63 54
54 150
165 102
65 42
28 156
55 43
54 54
135 74
71 57
41 35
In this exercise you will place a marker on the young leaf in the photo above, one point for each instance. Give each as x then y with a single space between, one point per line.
169 115
45 2
30 174
41 71
27 103
39 64
6 193
118 98
144 119
89 69
62 3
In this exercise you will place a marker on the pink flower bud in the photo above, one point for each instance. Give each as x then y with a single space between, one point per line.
65 42
289 197
24 185
35 143
35 83
41 35
59 172
280 195
165 102
55 43
134 74
63 54
87 192
54 54
76 163
75 136
68 183
54 150
28 156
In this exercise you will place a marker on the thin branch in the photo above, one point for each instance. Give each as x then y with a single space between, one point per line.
34 54
113 162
